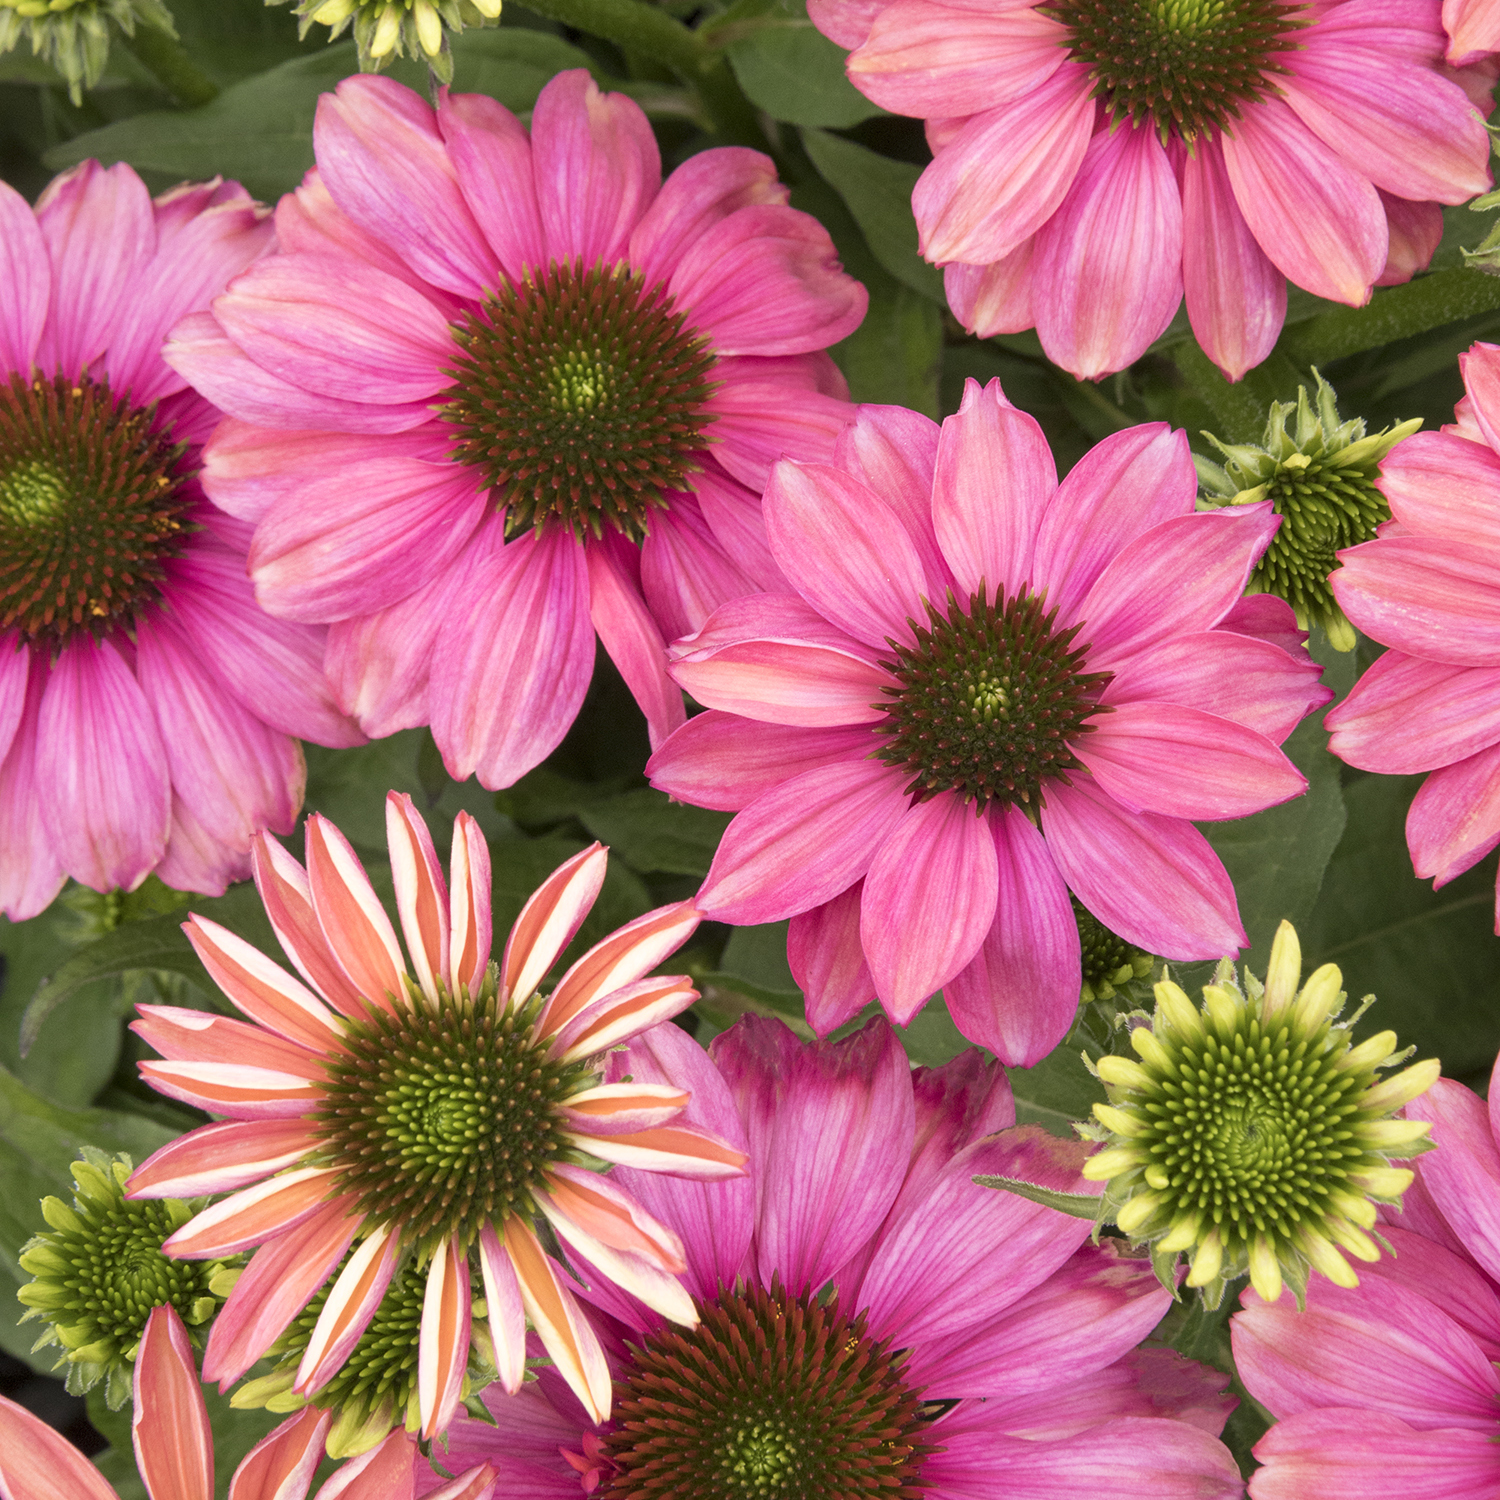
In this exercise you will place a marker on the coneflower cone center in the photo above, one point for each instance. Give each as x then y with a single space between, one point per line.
771 1397
1103 953
579 397
1187 66
990 694
91 508
443 1116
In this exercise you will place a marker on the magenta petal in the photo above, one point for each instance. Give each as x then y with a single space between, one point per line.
1463 1175
757 422
830 1127
799 845
993 298
1236 298
686 573
994 475
1416 231
722 761
15 675
105 796
30 875
734 516
1119 489
1443 486
939 859
1109 262
836 543
1152 879
1447 1279
1019 994
1406 715
827 961
502 699
25 281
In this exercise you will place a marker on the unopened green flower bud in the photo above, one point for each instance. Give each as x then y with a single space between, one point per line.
73 35
384 29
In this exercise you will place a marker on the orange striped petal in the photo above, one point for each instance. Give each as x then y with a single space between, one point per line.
347 1312
351 916
470 928
281 1466
253 1216
37 1463
174 1448
229 1089
287 898
262 989
613 1107
548 921
621 1014
565 1334
620 959
600 1209
477 1483
220 1158
384 1473
507 1313
444 1348
421 892
671 1148
184 1035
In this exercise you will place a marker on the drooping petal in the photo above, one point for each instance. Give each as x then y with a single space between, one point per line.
595 1205
421 892
235 1089
827 960
1463 1183
30 874
385 1472
1442 486
182 1034
25 281
1454 820
351 1304
995 298
552 915
282 1464
222 1157
38 1463
174 1446
444 1348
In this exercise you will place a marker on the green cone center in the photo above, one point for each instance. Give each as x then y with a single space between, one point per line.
443 1117
1187 66
771 1397
1104 953
990 695
578 397
91 508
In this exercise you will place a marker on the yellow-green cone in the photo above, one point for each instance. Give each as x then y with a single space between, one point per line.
1252 1135
73 35
384 29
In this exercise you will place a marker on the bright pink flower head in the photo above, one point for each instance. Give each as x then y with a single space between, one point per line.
1389 1391
436 1110
1429 587
507 389
148 708
988 689
862 1300
1095 160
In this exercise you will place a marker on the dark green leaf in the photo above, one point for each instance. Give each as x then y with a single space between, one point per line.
654 834
877 191
1057 1091
796 74
893 358
1078 1205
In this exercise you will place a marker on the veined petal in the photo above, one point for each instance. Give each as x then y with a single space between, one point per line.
827 960
615 1107
421 892
384 1473
1440 486
350 1306
252 1215
658 1289
678 1150
39 1463
621 1014
25 282
174 1448
282 1464
469 925
507 1315
477 1483
552 915
596 1206
444 1349
351 916
244 1093
184 1035
221 1158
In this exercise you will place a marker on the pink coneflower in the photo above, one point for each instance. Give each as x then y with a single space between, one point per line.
1473 28
174 1447
988 690
432 1110
1097 159
1429 587
1388 1390
871 1321
147 706
511 389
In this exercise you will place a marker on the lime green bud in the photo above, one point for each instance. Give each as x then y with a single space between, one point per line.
384 29
73 36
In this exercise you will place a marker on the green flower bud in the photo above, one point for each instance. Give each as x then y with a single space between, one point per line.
384 29
73 35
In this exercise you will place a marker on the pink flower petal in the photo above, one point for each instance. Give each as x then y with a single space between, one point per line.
1416 230
30 875
1153 880
666 1148
253 1215
1479 411
385 1472
444 1348
1472 26
614 1107
38 1463
595 1205
506 1315
469 921
993 479
552 914
799 845
378 665
734 516
351 916
686 573
1463 1174
620 1014
757 422
1109 262
1441 486
1019 994
352 1302
939 858
25 281
826 959
1005 172
15 675
1236 298
245 1092
185 1035
993 298
421 892
722 761
1316 219
221 1158
281 1465
174 1446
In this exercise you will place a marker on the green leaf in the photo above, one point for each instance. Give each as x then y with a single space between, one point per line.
654 834
1079 1205
794 73
894 357
1057 1091
877 191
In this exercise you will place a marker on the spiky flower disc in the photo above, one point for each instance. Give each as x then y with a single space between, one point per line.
1109 962
99 1271
384 29
1253 1134
1320 478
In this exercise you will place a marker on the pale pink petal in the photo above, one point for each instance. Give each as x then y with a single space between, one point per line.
940 858
1236 298
792 683
827 960
770 617
421 892
620 1014
246 1093
38 1463
1108 263
595 1205
799 845
30 875
444 1349
733 513
352 1302
201 1036
384 163
548 921
846 22
253 1215
1416 230
1119 489
351 916
1317 219
1176 900
378 665
1472 26
220 1158
282 1464
105 795
1019 994
757 422
1442 486
722 761
469 923
1479 411
25 282
15 676
1005 172
993 298
506 1315
1264 617
174 1446
385 1472
666 1148
613 1107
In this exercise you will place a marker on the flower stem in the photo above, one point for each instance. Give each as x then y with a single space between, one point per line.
170 65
